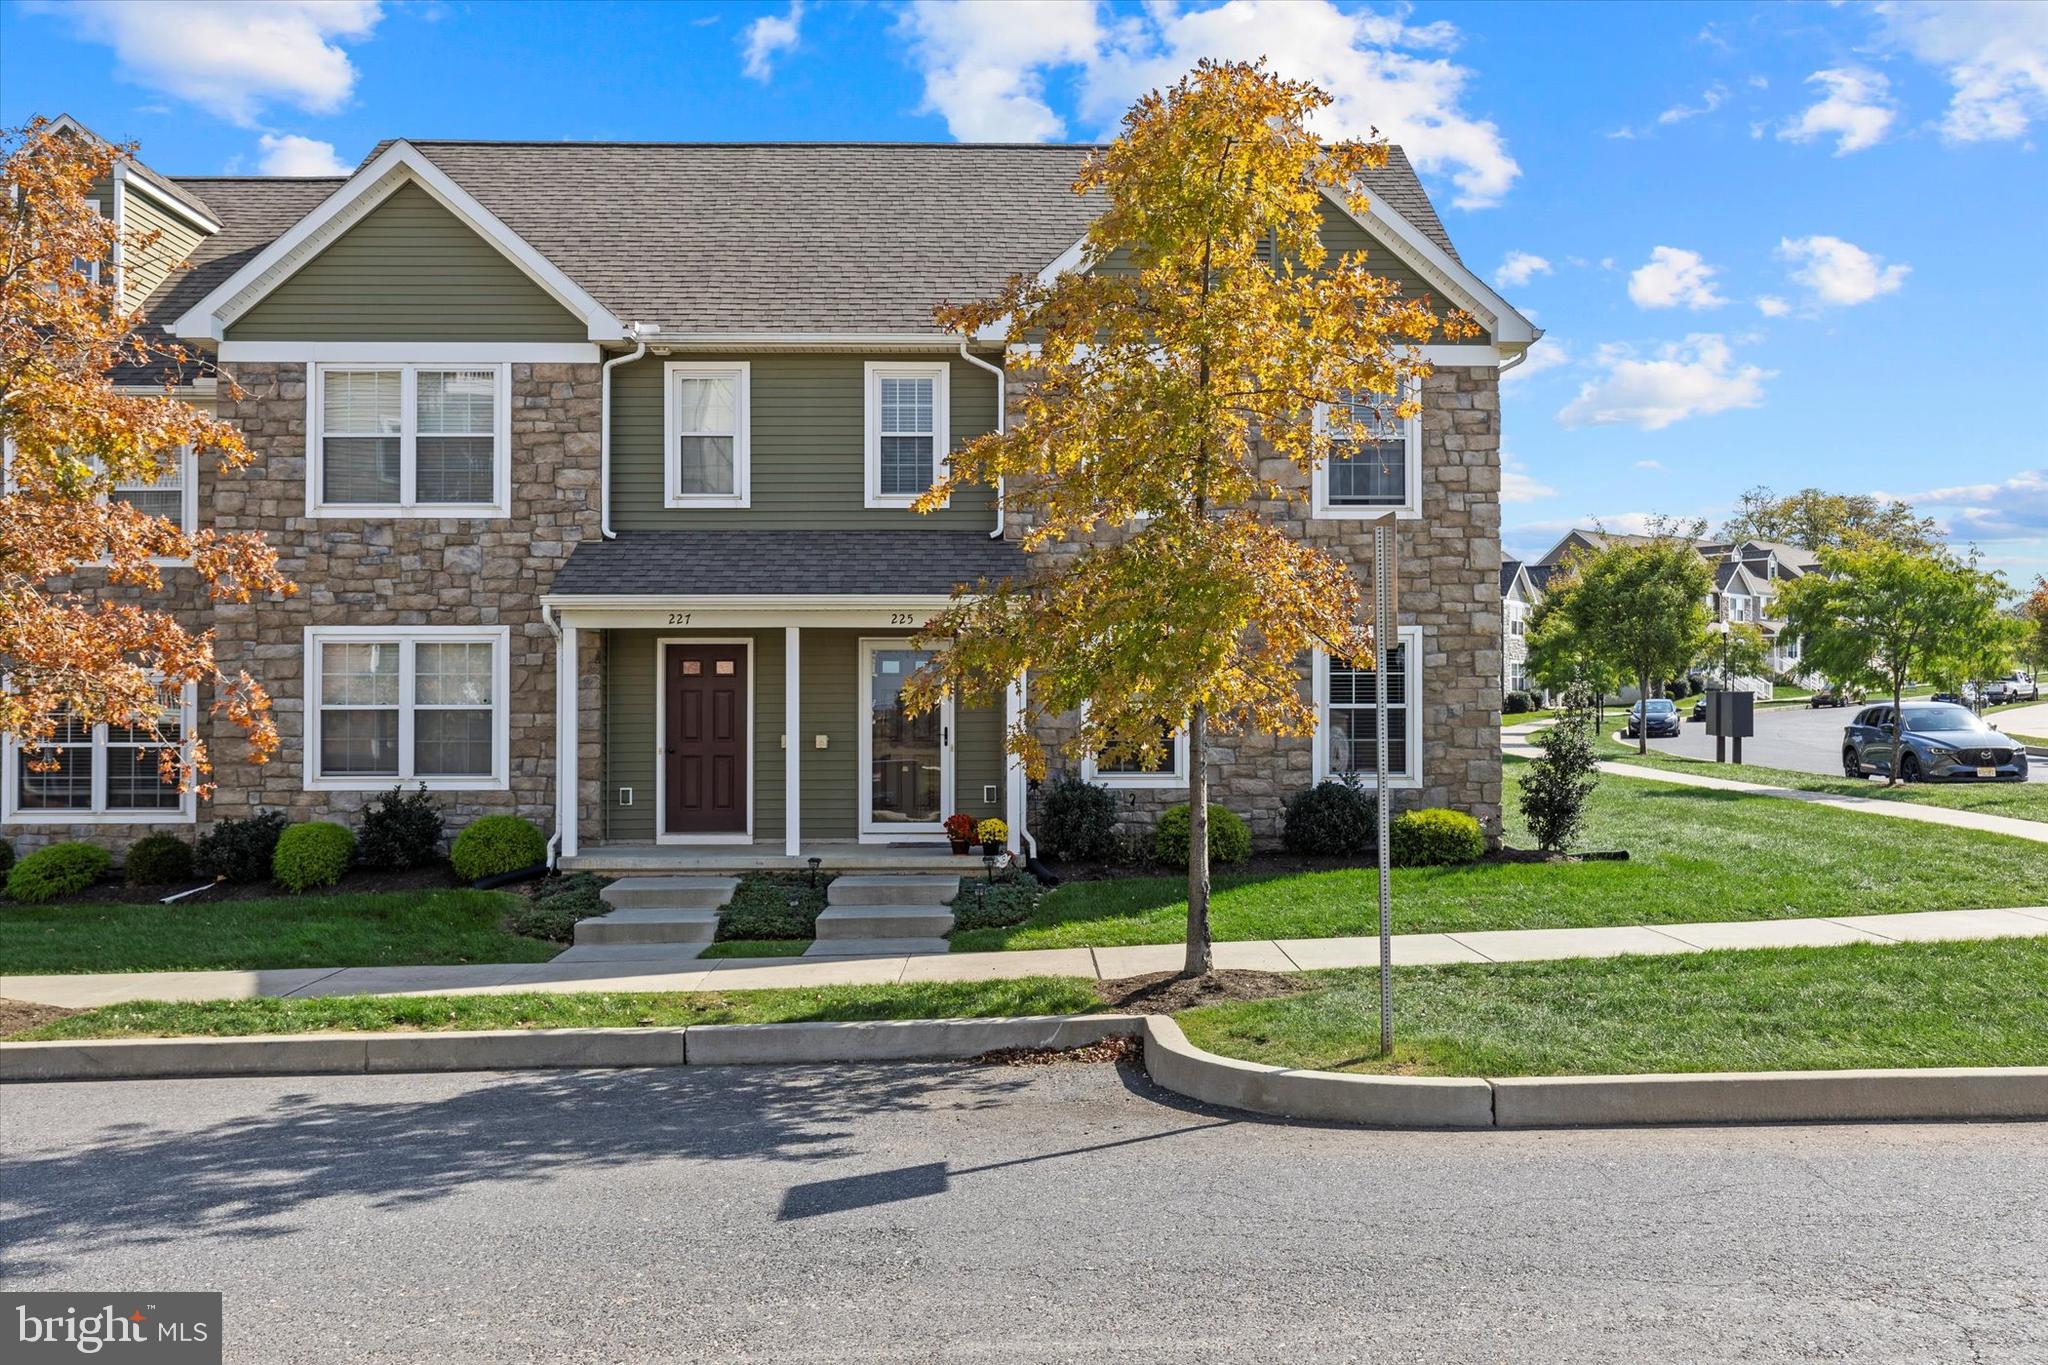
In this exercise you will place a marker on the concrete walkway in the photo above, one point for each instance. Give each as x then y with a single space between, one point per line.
660 968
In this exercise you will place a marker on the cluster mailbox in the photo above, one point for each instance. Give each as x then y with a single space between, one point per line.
1730 715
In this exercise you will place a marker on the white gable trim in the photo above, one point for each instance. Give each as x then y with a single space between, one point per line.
1524 583
1509 328
400 164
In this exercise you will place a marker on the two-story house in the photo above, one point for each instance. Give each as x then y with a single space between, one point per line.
593 463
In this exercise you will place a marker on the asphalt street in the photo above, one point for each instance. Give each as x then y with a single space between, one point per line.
1802 738
1025 1214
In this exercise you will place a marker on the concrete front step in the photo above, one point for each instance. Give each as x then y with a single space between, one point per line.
669 893
649 926
875 947
884 921
899 890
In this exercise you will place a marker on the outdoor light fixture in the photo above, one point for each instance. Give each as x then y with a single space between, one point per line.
988 860
815 863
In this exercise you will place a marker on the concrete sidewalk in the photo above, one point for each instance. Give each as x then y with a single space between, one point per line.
660 968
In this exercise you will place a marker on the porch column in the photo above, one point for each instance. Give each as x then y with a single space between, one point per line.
567 718
792 747
1013 766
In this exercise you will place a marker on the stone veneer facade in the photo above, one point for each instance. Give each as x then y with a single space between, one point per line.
1449 563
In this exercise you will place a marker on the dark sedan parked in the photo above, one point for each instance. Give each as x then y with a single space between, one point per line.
1662 718
1940 742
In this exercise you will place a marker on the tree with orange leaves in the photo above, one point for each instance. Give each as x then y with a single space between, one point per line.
72 655
1221 334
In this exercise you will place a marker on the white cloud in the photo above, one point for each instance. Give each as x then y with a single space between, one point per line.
1648 464
290 154
1855 109
1547 354
1673 277
1519 268
2015 508
1696 377
1517 484
1840 273
1712 98
769 36
1994 56
234 59
985 67
1771 306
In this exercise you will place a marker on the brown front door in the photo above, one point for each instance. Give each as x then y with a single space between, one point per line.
705 739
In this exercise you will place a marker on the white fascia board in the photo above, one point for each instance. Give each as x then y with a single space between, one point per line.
1510 329
762 602
658 342
401 163
1065 263
150 190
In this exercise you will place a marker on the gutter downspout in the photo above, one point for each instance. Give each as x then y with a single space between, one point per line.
604 436
1002 401
547 618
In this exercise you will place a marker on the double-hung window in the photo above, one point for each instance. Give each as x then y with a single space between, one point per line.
908 428
1345 696
1169 769
174 497
406 704
708 432
395 440
101 774
1375 467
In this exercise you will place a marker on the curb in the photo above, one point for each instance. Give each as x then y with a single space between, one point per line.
898 1040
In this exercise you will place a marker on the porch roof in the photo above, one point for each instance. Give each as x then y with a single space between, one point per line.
789 563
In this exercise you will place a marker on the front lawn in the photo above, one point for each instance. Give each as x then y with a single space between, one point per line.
387 929
440 1013
1777 1009
1694 855
2019 800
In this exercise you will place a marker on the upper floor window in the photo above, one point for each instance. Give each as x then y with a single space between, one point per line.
1345 699
1377 469
100 774
907 431
406 704
705 417
174 497
398 440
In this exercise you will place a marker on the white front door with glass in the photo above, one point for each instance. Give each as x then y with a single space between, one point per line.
906 761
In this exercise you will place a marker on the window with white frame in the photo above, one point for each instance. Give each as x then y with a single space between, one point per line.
172 497
414 704
1169 769
1375 468
907 431
705 415
1345 697
101 773
410 440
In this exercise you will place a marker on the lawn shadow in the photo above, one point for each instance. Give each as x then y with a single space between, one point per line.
152 1182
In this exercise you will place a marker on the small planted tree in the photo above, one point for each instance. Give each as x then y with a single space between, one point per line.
1880 615
1736 652
1561 778
1225 341
1640 608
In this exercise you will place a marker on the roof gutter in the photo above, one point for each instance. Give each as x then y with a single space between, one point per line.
604 431
1002 408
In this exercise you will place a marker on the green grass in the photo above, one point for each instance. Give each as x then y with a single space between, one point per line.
437 1013
1526 717
1777 1009
383 930
757 947
2019 800
1695 855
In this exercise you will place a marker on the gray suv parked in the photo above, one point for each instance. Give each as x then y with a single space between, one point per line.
1940 742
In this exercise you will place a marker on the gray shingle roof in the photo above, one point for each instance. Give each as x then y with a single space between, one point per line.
1508 568
791 563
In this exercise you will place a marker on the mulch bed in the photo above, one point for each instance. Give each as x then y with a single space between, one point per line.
114 891
1125 1048
1170 992
18 1016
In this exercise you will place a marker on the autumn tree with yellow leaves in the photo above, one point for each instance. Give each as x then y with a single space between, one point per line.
70 651
1221 335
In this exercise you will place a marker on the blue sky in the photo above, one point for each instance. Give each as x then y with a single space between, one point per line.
1780 244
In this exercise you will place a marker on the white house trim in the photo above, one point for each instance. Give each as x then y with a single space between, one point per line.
872 373
871 830
500 640
1410 506
408 506
463 352
1509 328
184 813
400 164
1175 776
1319 667
672 494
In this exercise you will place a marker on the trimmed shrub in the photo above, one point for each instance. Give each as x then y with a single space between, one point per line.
1230 841
313 854
6 856
1009 900
494 844
553 913
1076 821
1517 703
240 850
1560 781
58 870
158 860
1434 838
1337 817
400 831
767 906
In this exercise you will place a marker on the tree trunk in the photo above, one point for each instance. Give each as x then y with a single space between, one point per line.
1200 960
1643 701
1891 769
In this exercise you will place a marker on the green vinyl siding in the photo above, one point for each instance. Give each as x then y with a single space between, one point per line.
808 445
409 271
631 704
144 268
828 704
978 761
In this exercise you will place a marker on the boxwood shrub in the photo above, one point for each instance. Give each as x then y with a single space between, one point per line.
58 870
1337 818
1435 838
313 854
158 860
1515 703
495 844
1230 841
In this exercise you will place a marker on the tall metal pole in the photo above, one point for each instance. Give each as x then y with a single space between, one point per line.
1383 633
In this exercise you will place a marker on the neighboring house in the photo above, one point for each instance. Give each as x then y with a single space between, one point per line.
1518 599
594 463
